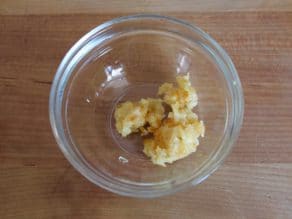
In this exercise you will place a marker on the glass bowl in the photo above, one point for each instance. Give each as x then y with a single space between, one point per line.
128 58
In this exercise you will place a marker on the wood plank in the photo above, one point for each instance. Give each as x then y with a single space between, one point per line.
36 7
234 191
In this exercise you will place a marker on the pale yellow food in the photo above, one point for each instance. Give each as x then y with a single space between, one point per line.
132 116
174 136
173 141
183 96
155 113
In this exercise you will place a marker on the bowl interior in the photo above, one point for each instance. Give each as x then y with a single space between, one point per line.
131 67
128 59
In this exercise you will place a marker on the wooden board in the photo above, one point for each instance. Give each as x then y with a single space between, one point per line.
36 7
37 182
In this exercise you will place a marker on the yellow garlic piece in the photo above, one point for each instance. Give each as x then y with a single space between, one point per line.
132 116
173 138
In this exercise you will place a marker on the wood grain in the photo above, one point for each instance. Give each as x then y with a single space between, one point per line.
37 182
37 7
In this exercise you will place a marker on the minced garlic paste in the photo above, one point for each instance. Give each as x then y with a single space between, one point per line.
168 137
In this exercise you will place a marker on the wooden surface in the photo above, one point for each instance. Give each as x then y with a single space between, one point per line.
37 182
28 7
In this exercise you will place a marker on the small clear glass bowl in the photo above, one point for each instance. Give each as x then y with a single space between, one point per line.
128 58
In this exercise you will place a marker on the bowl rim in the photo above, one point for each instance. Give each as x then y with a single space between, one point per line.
55 106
